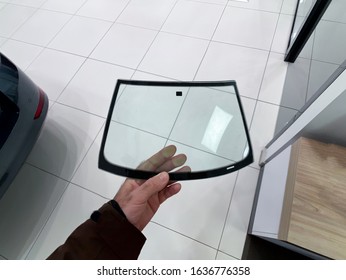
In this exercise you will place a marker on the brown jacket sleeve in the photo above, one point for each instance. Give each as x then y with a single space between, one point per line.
107 236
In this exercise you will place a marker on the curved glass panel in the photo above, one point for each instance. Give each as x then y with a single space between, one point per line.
194 130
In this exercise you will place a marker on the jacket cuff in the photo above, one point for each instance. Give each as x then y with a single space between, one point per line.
118 233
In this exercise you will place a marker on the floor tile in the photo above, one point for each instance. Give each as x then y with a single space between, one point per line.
149 14
262 128
139 75
289 7
238 218
12 17
335 11
124 45
284 116
266 5
52 70
64 6
65 218
89 176
92 88
25 208
174 56
164 244
80 36
274 79
205 19
319 74
282 34
226 62
223 256
103 9
205 206
333 52
29 3
257 28
2 41
22 54
49 23
220 2
296 83
66 137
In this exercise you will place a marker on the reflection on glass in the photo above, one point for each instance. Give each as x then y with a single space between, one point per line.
215 129
203 123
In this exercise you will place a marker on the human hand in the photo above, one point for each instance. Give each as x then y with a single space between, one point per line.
140 199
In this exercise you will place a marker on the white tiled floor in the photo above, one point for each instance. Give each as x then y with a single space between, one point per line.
75 50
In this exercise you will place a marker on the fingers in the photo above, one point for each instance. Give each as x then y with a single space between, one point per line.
158 159
169 192
172 163
154 185
158 184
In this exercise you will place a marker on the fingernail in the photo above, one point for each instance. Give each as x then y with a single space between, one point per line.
169 151
179 161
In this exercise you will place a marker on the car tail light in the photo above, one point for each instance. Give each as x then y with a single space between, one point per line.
40 104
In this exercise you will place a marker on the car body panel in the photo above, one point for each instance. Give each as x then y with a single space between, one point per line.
24 133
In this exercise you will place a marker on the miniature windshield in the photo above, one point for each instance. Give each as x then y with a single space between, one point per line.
193 130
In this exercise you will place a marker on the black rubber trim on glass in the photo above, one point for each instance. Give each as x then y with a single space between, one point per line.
140 174
305 31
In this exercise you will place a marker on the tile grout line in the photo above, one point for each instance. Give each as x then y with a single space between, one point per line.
50 214
228 254
85 58
182 234
47 48
87 151
25 21
110 27
269 53
253 9
210 41
157 34
310 66
66 181
265 68
67 184
228 209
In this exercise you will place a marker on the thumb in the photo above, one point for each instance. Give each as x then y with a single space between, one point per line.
154 185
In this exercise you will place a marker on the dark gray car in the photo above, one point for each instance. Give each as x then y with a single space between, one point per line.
23 109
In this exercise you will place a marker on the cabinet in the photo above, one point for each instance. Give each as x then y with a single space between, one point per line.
314 206
302 199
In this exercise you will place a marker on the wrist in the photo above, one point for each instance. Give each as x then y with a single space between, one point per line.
116 206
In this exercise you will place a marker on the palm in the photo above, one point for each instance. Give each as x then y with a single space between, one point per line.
142 210
140 199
